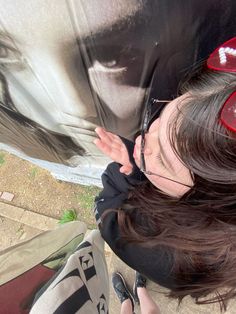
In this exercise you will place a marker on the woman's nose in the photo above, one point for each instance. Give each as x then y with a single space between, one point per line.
147 148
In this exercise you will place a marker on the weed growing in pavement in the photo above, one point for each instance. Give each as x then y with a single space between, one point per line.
67 216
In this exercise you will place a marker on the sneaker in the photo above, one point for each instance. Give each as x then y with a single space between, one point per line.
140 282
121 289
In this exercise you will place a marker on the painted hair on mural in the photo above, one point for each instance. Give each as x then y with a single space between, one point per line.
22 133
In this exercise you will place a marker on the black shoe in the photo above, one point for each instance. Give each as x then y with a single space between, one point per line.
140 282
121 289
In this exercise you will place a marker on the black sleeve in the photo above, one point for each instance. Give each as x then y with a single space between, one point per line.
154 263
116 185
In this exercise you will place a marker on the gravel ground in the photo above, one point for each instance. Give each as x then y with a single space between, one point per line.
36 190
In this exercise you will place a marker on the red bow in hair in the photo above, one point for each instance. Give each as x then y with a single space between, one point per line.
224 59
228 113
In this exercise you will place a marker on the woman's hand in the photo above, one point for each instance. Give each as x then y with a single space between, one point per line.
112 146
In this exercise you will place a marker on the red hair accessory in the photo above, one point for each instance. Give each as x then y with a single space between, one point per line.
224 59
228 113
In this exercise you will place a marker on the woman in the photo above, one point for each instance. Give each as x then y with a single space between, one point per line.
175 220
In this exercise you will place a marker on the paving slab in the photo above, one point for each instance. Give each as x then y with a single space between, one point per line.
13 232
7 196
27 217
18 224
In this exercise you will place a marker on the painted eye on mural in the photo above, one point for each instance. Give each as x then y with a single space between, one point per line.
6 47
112 56
3 52
110 64
9 55
108 67
124 64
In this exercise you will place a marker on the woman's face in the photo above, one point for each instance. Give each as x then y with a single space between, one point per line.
160 157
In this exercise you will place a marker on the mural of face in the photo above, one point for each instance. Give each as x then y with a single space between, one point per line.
79 64
78 72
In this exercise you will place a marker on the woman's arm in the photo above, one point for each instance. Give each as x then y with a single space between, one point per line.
154 263
120 176
116 187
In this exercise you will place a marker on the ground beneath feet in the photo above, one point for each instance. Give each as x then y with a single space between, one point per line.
36 190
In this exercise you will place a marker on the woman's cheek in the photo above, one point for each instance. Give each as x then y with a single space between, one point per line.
137 161
134 152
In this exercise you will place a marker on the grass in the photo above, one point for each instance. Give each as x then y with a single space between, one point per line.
86 197
2 159
33 172
67 216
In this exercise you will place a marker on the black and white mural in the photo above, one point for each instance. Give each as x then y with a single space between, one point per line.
67 66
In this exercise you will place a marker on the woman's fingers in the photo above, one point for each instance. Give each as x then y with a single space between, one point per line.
112 146
109 138
126 169
106 149
104 135
109 150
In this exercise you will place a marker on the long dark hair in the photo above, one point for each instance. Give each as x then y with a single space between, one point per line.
199 227
21 132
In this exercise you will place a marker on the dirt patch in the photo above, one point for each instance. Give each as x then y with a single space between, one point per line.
35 189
